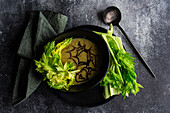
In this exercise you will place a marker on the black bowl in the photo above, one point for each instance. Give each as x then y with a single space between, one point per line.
105 56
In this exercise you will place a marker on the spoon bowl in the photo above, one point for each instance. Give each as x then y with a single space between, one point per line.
112 15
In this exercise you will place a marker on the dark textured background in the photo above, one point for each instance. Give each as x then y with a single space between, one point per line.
147 23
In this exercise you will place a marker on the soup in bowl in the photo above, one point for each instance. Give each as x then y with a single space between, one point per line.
90 55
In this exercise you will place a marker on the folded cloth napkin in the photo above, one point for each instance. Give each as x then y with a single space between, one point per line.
42 27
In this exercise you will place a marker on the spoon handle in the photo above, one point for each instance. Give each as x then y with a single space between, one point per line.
140 56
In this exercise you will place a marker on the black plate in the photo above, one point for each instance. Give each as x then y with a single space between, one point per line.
90 97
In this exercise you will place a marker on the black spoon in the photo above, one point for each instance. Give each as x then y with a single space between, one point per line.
113 15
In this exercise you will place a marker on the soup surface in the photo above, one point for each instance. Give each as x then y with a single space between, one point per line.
85 56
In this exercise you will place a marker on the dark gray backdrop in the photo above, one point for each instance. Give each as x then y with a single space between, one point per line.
147 23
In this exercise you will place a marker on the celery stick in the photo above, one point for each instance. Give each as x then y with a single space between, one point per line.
111 90
106 92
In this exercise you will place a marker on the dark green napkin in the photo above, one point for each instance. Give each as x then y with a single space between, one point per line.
42 27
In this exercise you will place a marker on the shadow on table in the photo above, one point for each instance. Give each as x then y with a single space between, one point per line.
14 47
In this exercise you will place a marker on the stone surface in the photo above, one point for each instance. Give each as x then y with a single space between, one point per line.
147 23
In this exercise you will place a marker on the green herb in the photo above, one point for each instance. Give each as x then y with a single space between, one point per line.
56 74
121 76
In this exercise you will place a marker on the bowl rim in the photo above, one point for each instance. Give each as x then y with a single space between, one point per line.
90 83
